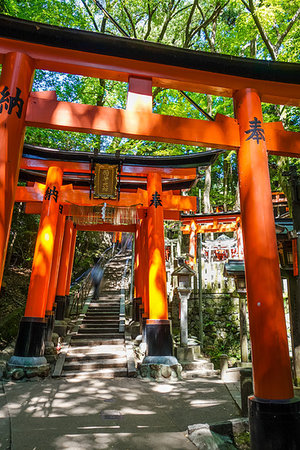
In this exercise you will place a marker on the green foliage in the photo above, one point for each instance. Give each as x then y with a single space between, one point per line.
22 239
89 244
242 441
13 296
221 328
9 325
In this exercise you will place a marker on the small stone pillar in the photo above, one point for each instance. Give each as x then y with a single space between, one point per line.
246 385
223 366
243 328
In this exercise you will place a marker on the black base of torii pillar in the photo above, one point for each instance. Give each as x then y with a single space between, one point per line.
274 425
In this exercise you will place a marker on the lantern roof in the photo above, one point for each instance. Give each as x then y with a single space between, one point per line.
183 269
234 267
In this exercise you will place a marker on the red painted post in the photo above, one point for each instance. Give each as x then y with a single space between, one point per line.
158 334
273 387
60 298
50 307
193 244
56 262
138 266
71 259
145 271
15 85
137 256
42 260
270 356
30 341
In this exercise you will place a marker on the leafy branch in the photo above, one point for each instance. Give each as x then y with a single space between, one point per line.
272 48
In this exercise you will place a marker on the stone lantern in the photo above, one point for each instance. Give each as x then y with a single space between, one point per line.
236 268
184 275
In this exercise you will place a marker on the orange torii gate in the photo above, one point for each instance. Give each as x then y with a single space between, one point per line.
210 223
26 46
82 208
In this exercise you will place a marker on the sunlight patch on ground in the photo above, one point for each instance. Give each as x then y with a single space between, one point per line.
130 397
136 411
98 427
163 388
201 403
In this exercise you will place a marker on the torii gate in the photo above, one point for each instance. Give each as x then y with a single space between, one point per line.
211 223
26 46
159 201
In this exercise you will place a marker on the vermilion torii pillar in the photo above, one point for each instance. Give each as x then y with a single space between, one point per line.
193 244
60 298
138 272
70 267
272 412
137 263
30 341
50 310
15 85
158 333
144 268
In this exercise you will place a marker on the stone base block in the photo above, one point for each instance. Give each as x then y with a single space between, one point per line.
189 353
60 327
231 375
134 329
160 368
19 367
221 435
245 365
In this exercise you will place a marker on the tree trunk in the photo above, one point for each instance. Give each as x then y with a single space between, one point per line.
14 236
206 191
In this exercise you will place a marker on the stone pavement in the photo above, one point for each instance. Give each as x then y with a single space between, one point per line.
108 414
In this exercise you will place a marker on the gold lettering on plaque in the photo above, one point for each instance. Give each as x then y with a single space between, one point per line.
106 178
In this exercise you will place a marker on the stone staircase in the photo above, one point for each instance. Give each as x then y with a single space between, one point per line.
194 364
200 367
97 348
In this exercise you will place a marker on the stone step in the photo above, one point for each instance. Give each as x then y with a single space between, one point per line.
85 366
83 357
104 314
107 304
89 321
83 341
97 335
100 324
108 297
98 316
210 374
101 373
200 365
117 349
113 312
99 330
104 302
104 310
